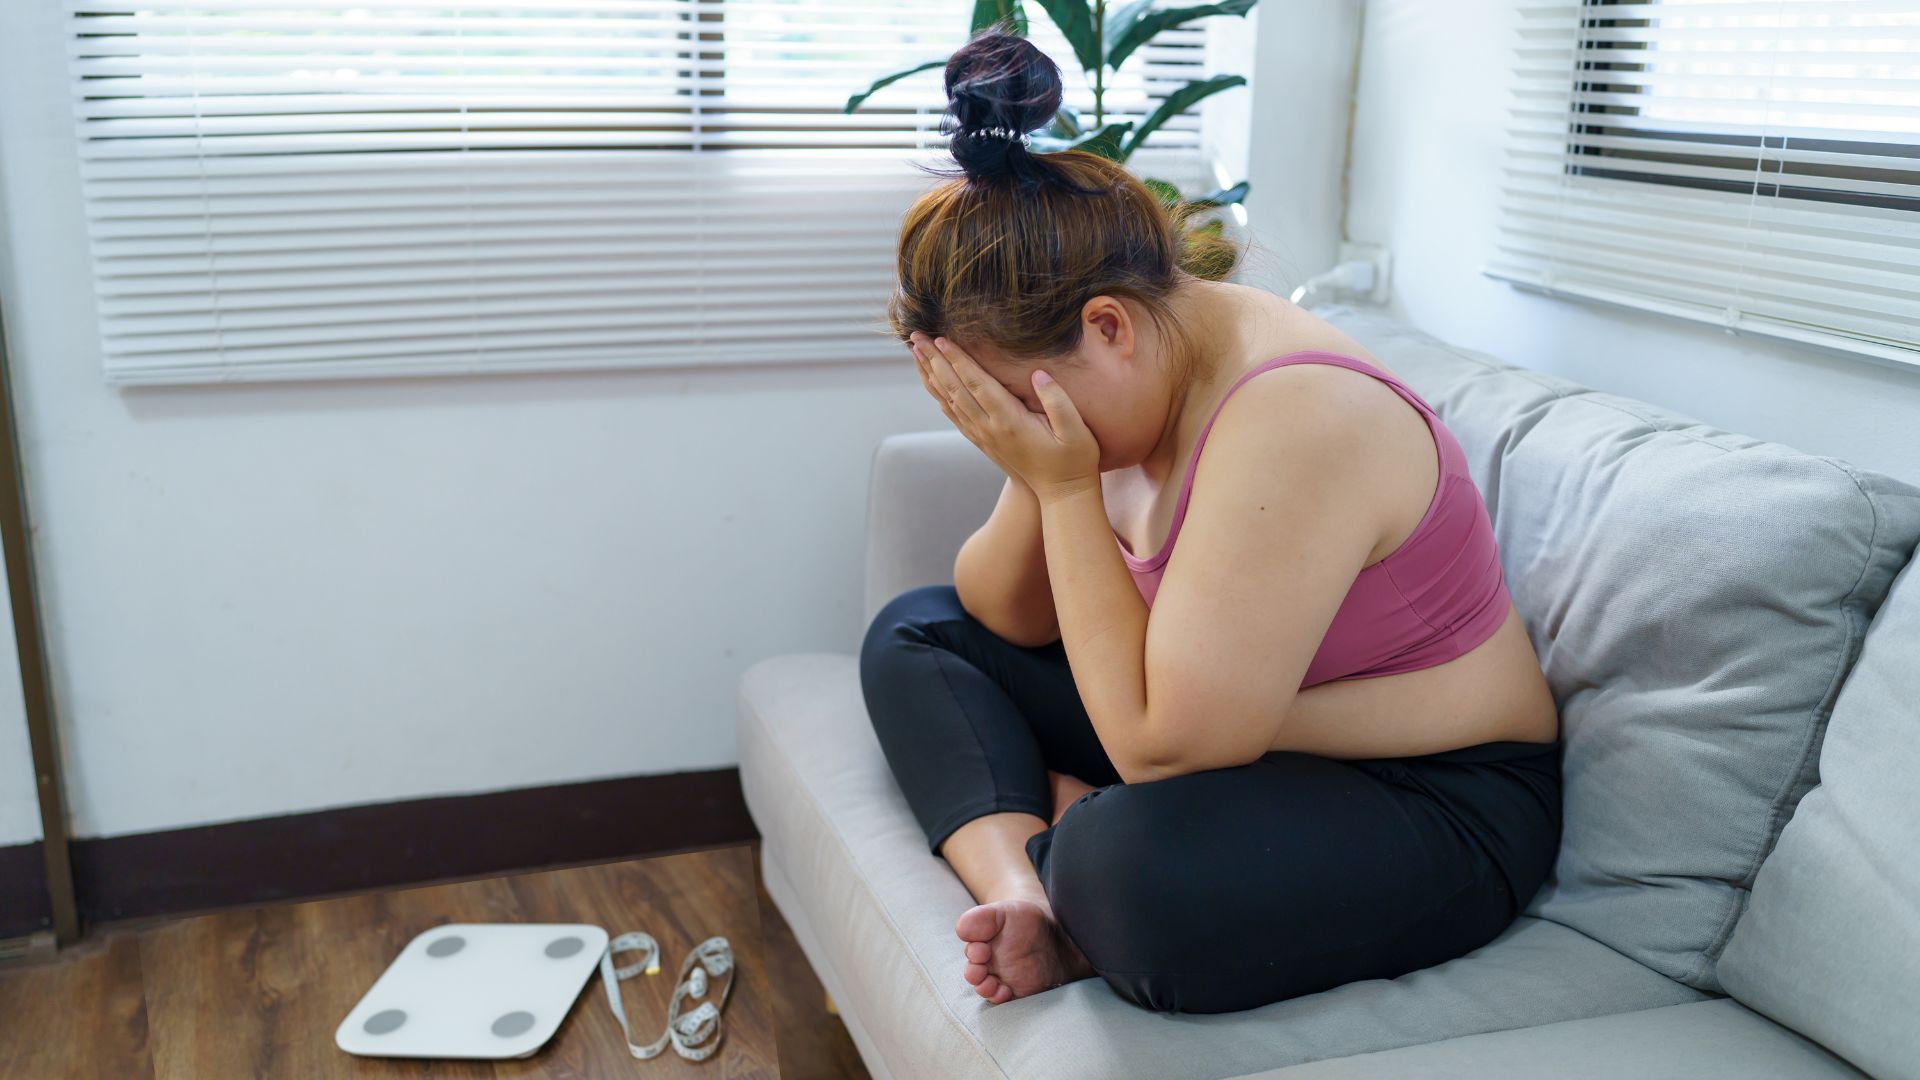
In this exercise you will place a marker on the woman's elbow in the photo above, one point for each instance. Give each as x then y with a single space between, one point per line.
1161 756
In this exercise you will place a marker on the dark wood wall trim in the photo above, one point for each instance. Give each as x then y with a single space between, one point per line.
388 845
23 891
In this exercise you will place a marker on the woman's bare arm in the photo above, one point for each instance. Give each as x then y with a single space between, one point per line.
1001 571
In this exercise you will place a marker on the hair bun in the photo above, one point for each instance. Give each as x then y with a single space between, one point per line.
999 88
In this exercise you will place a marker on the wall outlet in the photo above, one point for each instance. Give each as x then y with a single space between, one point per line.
1382 261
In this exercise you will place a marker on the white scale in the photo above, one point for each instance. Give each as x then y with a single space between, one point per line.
500 990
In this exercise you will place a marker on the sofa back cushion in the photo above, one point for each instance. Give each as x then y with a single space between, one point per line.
1830 944
1696 598
928 491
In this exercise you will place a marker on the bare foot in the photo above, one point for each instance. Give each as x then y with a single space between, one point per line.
1014 948
1065 790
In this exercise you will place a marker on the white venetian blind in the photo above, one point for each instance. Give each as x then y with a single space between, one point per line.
1754 165
283 189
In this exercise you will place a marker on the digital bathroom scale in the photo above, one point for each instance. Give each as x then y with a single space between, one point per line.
474 990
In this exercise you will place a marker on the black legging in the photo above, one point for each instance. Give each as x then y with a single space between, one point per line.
1217 890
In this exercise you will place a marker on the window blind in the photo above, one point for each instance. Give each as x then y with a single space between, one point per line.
285 189
1752 165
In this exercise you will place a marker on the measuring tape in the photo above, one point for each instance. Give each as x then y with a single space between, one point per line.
694 1036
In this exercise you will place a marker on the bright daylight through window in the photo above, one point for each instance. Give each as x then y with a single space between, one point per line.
278 189
1753 165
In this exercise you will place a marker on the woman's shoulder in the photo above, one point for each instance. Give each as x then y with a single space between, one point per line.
1284 329
1297 407
1351 419
1312 374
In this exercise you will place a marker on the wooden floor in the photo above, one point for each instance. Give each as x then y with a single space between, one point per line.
258 992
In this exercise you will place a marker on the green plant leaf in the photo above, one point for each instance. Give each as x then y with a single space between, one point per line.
1125 15
1223 197
1105 142
1148 23
1168 195
1120 19
1075 20
1066 124
1007 13
1180 101
855 101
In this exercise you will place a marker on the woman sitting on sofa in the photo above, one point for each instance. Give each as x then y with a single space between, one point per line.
1311 744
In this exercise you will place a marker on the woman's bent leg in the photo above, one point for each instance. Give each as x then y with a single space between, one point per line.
1231 888
970 723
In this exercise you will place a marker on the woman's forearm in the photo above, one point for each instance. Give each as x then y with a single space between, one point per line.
1103 626
1001 571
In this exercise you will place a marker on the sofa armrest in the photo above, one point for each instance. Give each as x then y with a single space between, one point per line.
929 490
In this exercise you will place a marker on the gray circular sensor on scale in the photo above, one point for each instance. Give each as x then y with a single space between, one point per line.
384 1021
561 948
513 1023
446 946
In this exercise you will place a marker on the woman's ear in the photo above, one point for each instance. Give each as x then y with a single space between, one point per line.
1106 324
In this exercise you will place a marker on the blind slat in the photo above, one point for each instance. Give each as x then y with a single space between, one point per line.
277 188
1754 165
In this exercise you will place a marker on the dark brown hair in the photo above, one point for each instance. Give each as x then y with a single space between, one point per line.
1010 250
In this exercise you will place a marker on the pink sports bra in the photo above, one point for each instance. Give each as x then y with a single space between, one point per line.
1439 594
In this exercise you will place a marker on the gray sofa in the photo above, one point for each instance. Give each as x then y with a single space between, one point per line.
1735 650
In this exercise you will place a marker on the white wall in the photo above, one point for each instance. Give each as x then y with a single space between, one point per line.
266 599
1302 89
269 599
1426 163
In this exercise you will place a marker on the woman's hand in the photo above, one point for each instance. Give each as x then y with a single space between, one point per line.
1052 454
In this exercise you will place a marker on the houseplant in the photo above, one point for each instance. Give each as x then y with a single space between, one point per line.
1103 36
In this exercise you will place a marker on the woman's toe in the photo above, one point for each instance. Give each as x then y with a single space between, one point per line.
973 973
979 923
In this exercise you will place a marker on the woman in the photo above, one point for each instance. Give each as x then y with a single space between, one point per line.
1310 744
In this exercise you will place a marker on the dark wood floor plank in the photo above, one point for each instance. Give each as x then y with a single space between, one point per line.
681 901
258 992
79 1015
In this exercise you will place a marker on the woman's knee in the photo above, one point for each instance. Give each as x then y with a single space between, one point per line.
1122 890
1176 916
1116 881
904 618
899 629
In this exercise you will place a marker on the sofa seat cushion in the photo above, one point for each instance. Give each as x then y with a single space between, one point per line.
876 912
1706 1040
1696 598
1831 942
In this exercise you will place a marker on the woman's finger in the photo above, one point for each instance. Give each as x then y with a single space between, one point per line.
995 401
921 356
930 380
926 377
1062 416
939 395
958 395
947 396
